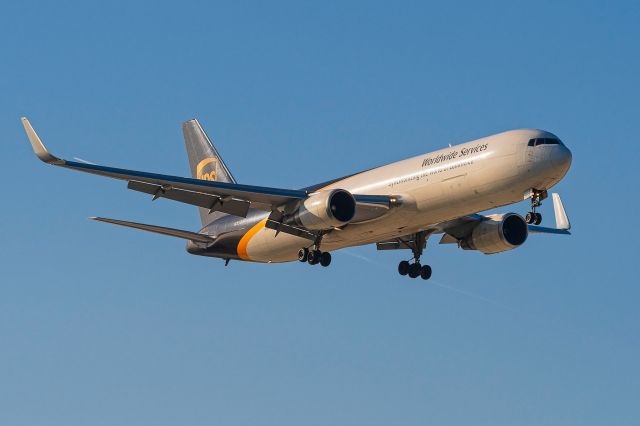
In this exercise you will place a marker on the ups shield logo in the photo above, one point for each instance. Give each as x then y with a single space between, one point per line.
207 169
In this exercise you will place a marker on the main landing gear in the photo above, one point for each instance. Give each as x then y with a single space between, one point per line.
415 269
533 217
313 257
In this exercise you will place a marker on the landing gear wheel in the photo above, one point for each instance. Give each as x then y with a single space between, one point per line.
538 219
303 254
313 258
537 195
325 258
530 217
425 272
416 242
414 270
403 267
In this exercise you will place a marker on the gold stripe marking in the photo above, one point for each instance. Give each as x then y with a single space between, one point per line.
244 241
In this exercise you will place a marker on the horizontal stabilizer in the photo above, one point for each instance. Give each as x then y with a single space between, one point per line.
187 235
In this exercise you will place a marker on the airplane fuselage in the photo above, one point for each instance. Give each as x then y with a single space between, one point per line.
432 188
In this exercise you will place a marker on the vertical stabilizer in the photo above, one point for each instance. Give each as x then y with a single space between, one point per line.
205 162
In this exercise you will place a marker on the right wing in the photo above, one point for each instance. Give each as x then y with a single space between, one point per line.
457 229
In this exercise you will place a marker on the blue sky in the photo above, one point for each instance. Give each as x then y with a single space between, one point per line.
101 325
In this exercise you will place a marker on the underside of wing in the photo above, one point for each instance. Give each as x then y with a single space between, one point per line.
507 230
227 197
225 204
222 196
458 229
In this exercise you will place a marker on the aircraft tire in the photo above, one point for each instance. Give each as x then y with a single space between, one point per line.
403 267
414 270
538 219
325 259
530 217
425 272
313 258
303 254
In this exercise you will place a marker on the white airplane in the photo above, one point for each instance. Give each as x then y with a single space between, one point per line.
397 206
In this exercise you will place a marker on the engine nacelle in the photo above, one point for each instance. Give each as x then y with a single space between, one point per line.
501 232
324 210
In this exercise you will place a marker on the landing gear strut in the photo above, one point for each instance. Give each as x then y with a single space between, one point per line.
534 217
315 255
415 269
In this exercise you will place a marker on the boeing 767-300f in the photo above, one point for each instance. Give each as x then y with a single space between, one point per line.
396 206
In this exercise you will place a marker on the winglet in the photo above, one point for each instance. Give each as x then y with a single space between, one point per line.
562 221
37 145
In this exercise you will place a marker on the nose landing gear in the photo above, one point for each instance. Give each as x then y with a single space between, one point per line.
415 269
533 217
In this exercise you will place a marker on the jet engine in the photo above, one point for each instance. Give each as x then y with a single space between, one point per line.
500 232
324 210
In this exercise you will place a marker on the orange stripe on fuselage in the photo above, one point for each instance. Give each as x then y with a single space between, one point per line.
244 241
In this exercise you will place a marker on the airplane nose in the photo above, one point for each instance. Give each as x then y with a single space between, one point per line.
562 158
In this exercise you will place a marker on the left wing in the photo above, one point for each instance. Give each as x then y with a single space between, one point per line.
232 198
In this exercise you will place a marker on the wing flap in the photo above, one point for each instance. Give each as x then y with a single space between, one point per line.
402 243
287 229
212 202
396 244
534 229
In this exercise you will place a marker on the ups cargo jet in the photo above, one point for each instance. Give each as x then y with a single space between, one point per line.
397 206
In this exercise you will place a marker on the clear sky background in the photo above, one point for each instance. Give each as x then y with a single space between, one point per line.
101 325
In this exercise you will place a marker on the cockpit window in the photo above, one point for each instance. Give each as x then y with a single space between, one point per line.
543 141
